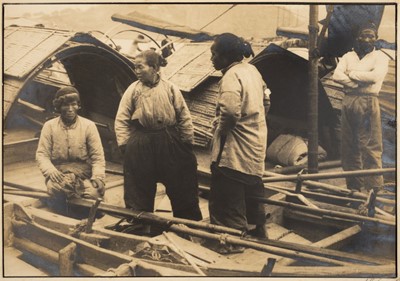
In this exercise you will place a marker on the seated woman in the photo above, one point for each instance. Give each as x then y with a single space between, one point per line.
70 154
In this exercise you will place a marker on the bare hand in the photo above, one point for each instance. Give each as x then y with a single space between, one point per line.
100 185
56 176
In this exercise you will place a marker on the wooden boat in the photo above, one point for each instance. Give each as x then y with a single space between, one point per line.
36 233
44 239
79 249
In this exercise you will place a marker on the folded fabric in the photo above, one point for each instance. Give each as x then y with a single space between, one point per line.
290 150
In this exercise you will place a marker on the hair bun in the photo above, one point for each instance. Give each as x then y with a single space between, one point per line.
163 61
247 50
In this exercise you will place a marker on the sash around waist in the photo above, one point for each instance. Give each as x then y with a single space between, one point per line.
135 124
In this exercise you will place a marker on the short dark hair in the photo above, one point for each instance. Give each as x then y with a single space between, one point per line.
367 25
61 96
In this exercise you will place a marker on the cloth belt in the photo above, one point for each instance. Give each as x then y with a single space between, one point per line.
136 124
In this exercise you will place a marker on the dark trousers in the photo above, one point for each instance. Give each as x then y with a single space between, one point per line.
160 156
230 204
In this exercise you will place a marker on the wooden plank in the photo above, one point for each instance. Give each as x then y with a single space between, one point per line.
14 266
294 238
8 235
173 245
88 270
251 256
66 259
20 151
22 200
359 271
276 232
55 241
23 244
338 238
194 249
51 220
116 241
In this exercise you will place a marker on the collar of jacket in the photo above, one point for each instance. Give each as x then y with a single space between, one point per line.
230 66
155 83
71 126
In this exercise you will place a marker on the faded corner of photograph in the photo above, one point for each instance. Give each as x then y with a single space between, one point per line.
225 139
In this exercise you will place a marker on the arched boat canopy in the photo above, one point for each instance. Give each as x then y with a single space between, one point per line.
39 61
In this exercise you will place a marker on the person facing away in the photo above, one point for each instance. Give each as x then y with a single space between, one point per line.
70 154
240 138
361 72
154 131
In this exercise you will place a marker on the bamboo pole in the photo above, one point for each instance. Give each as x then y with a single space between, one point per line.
290 246
345 191
312 119
333 175
336 189
257 246
297 168
20 186
316 195
315 184
325 212
150 217
40 195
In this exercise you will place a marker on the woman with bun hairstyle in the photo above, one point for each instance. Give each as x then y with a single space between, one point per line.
240 138
154 131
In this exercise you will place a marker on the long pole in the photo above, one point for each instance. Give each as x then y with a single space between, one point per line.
324 212
313 91
369 172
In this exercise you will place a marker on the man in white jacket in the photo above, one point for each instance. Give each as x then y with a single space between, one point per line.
361 72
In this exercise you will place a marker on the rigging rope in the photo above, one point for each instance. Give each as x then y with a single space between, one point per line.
231 7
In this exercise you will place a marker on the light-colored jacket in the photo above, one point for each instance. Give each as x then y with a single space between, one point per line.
79 142
240 116
362 76
155 108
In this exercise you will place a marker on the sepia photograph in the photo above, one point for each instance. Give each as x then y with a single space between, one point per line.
199 140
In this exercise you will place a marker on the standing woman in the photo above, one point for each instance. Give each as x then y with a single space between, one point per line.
155 133
240 138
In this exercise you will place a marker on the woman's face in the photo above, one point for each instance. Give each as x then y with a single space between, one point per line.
144 72
218 60
69 110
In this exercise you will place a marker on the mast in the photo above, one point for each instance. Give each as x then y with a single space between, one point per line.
313 91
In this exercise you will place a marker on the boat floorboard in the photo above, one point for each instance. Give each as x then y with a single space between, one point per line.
259 258
14 266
